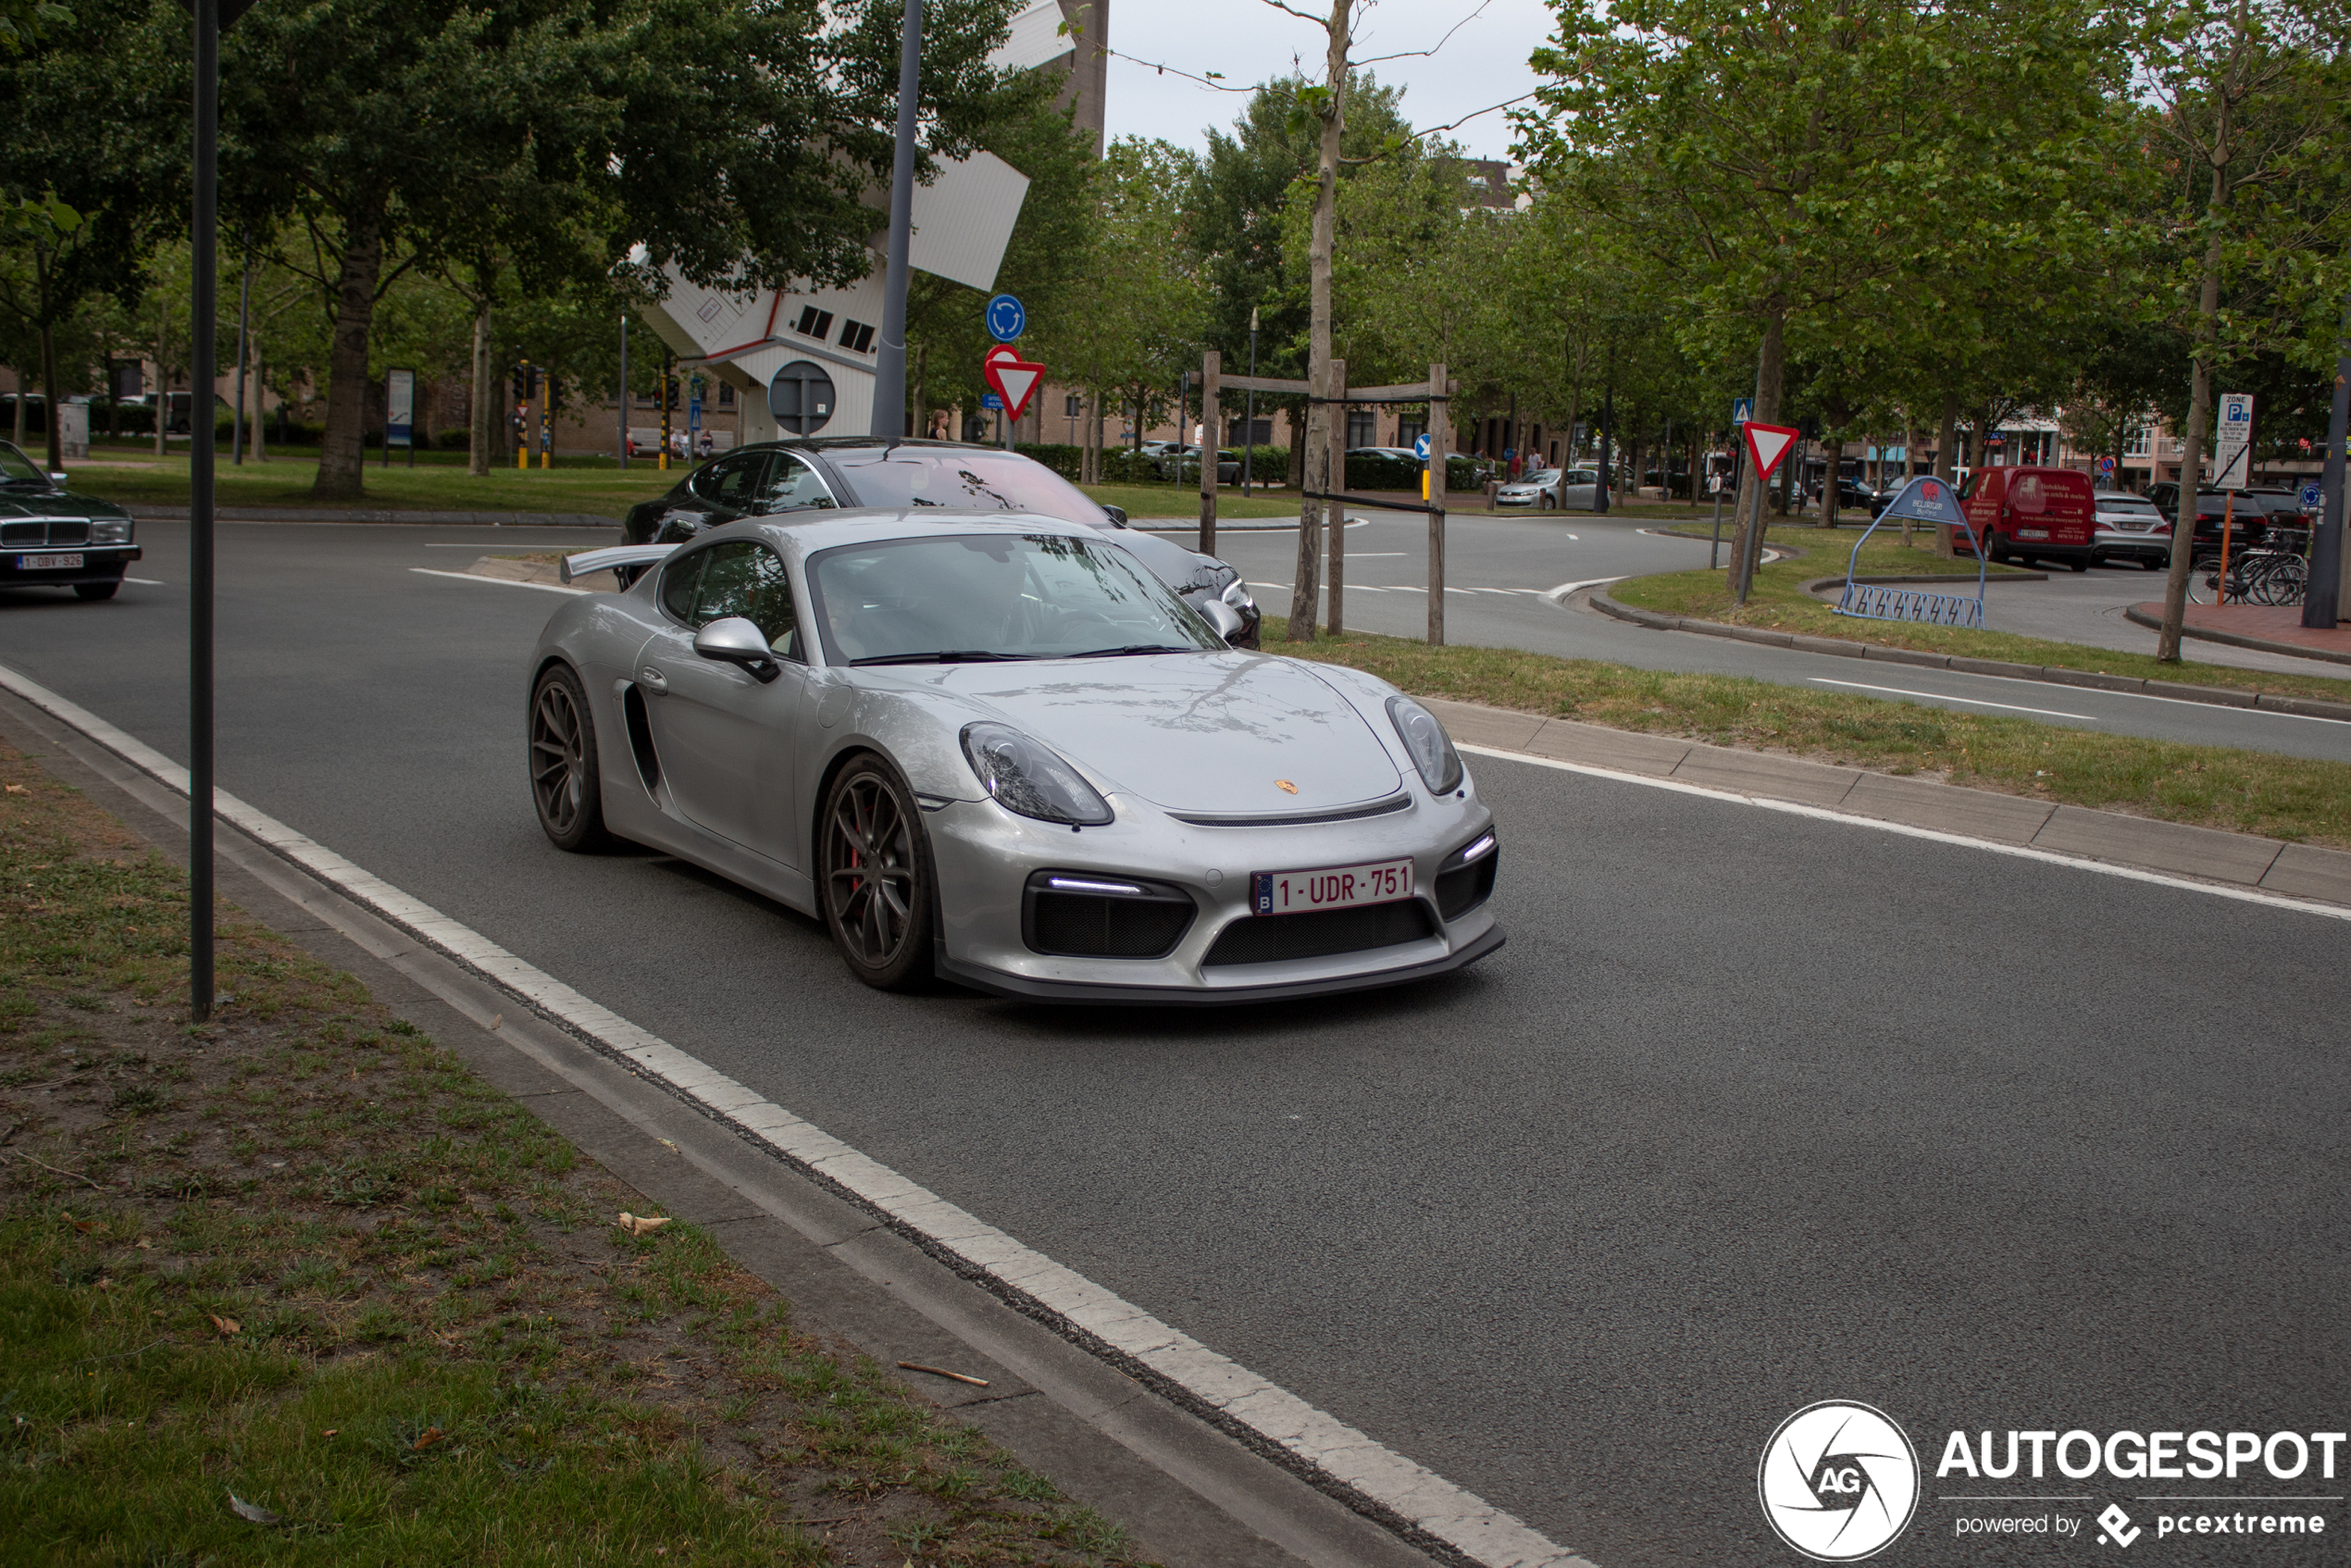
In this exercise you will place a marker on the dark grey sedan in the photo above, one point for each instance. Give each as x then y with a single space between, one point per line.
50 537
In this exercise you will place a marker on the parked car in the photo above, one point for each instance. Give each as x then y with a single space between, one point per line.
1175 462
1395 453
1575 489
1853 495
2028 512
2129 528
816 473
50 537
996 750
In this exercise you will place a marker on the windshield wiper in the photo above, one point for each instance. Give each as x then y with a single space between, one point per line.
944 657
1133 648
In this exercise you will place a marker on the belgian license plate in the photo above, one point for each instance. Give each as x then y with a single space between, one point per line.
1330 886
47 562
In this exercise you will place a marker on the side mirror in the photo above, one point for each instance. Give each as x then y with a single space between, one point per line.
1117 516
734 641
1223 617
58 480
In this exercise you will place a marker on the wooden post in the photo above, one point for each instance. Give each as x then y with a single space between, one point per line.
1337 512
1212 364
1441 446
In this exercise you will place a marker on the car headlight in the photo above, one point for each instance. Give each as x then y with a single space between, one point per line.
110 531
1432 750
1237 594
1024 776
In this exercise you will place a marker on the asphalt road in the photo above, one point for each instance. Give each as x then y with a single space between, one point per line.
1753 1110
1500 572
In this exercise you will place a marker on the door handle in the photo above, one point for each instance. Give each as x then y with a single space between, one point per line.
652 679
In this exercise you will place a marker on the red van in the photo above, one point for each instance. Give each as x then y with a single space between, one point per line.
2028 512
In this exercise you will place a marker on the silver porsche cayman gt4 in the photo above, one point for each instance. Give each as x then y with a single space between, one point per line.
996 749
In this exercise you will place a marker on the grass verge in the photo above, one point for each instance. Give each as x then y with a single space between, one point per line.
2208 786
1777 602
294 1286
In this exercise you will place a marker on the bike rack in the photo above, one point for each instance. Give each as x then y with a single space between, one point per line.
1924 499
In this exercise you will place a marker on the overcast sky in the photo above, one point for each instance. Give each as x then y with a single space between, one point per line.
1248 41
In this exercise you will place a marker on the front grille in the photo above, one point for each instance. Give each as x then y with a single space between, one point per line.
1271 939
1398 801
1147 923
34 535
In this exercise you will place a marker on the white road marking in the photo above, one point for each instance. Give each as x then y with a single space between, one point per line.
479 544
1479 1531
2152 697
1933 835
148 581
1559 595
498 581
1941 697
1372 554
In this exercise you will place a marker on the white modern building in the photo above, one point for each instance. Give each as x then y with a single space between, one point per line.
800 360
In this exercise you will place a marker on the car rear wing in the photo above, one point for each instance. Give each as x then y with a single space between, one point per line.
616 555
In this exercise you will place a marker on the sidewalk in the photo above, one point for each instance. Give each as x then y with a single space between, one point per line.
145 513
2270 628
2239 860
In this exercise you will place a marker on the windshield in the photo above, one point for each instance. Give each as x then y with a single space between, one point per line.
961 598
2133 508
1541 476
17 468
974 478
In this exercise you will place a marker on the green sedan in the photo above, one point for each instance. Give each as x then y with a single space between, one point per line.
52 538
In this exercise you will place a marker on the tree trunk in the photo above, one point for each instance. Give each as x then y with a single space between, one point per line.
1947 441
2208 314
1832 451
260 405
1306 579
343 453
49 412
24 395
1910 445
1771 372
920 422
485 398
160 399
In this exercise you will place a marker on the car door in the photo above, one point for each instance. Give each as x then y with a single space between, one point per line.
720 492
726 739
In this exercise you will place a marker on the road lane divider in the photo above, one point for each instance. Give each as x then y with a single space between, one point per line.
1912 830
1422 1506
501 581
1939 697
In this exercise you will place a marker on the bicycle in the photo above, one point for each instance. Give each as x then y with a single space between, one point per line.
2255 577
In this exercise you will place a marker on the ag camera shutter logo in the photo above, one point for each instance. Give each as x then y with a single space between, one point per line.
1839 1481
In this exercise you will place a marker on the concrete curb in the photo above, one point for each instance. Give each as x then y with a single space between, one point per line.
2233 860
2237 640
2055 674
341 514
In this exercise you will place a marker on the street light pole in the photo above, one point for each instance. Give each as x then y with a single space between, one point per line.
2322 595
1248 433
203 289
625 401
889 359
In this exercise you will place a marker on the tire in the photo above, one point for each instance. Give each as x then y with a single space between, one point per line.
2078 564
566 785
96 589
2155 566
875 876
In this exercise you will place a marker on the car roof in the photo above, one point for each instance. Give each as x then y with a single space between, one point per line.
823 528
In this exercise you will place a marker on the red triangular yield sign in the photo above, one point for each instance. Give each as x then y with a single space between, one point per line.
1015 380
1767 444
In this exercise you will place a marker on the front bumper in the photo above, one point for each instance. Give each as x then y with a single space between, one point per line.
100 563
986 855
2116 545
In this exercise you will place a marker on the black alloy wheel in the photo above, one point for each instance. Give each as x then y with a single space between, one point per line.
877 883
565 782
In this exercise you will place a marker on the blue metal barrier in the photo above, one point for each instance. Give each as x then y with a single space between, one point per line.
1927 500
